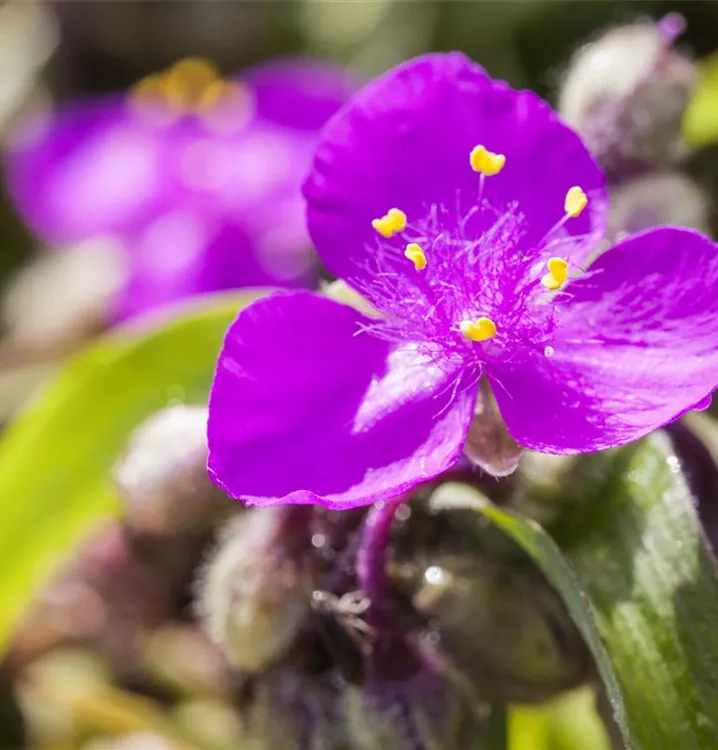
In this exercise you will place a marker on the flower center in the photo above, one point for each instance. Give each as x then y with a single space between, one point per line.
192 86
475 290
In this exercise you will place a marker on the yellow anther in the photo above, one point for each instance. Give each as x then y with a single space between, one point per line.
486 162
187 81
557 273
481 329
416 255
576 201
149 88
221 92
392 223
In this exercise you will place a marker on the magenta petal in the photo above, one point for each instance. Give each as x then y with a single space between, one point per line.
88 170
636 347
299 93
304 409
404 141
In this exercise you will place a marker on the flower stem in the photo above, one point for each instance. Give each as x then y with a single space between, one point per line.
372 559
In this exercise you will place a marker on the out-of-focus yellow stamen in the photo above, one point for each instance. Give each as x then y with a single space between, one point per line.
557 273
187 81
393 222
576 201
149 88
481 329
194 86
416 255
486 162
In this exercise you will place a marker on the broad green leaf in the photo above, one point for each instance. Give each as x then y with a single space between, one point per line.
700 122
56 459
641 585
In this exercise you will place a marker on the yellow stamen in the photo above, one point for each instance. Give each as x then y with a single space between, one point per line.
219 92
392 223
416 255
486 162
576 201
187 81
481 329
149 88
557 273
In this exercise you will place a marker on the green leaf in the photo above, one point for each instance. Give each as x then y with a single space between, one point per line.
641 586
569 722
700 122
56 459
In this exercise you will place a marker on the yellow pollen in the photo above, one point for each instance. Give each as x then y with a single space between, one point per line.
486 162
392 223
416 255
576 201
557 273
481 329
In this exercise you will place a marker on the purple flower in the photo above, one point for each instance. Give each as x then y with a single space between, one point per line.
489 276
198 176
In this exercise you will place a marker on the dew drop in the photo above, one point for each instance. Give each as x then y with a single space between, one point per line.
549 351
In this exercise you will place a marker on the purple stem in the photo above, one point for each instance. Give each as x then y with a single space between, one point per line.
372 558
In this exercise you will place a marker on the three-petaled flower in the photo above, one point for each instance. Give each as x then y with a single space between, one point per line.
470 217
198 176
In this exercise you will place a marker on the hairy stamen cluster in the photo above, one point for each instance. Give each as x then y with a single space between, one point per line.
475 291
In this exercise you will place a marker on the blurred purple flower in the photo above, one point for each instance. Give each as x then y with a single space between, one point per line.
315 402
197 175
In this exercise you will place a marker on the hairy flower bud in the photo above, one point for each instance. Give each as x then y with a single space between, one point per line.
106 597
482 611
28 36
503 629
257 588
162 475
626 93
654 199
428 712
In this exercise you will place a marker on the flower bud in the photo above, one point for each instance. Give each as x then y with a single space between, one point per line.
483 613
62 298
181 658
162 475
256 590
626 93
28 37
656 199
501 628
49 690
105 597
209 722
428 711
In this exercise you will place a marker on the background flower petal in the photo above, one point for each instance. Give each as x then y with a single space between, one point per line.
304 410
404 141
299 93
636 347
90 169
